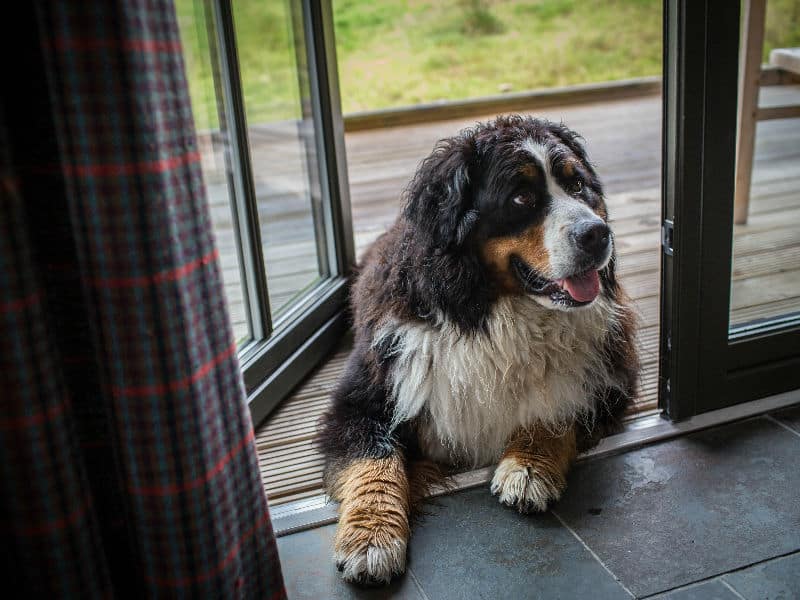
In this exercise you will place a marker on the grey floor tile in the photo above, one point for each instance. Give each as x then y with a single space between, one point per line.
308 571
472 547
773 580
789 417
674 513
708 590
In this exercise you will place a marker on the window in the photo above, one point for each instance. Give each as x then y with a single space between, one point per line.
262 79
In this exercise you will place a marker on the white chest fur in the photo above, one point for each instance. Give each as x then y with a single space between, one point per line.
468 394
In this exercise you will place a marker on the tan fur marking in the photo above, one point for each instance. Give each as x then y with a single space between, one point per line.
423 477
372 535
533 470
569 168
529 246
530 170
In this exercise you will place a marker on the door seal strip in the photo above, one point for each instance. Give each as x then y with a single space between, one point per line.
317 511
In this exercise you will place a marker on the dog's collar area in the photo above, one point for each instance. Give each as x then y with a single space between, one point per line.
535 283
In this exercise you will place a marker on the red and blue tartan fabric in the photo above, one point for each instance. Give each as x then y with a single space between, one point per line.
128 460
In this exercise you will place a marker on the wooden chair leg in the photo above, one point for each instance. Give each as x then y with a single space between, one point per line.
750 72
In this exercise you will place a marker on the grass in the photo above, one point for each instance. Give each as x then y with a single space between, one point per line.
428 54
267 60
402 52
782 27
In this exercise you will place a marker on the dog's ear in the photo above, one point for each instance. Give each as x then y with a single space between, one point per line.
570 139
574 142
439 199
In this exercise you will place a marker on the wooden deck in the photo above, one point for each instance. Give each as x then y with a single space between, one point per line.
624 140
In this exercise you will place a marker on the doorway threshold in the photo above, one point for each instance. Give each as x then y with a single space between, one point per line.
642 430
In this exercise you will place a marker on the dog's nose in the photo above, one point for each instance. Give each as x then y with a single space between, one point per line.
592 237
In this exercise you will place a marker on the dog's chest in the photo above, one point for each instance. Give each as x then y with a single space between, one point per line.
468 394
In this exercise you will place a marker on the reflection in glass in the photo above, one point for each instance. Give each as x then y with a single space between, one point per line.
206 107
765 279
272 58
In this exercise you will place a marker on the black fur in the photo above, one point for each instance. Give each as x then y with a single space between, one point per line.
429 263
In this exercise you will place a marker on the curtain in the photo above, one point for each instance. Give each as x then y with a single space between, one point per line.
128 460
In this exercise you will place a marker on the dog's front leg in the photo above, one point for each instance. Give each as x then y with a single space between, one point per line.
372 536
532 472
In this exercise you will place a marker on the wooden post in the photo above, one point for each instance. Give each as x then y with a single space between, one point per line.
749 75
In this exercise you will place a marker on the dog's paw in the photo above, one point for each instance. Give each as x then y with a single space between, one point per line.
369 561
525 486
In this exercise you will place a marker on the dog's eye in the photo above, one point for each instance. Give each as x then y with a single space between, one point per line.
522 200
575 188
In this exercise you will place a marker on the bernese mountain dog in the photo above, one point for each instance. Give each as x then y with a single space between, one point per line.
489 327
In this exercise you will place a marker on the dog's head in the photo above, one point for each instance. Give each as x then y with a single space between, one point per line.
519 195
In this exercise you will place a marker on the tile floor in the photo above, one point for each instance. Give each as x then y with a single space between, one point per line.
714 514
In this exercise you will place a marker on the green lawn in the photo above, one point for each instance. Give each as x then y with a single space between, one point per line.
267 60
402 52
427 51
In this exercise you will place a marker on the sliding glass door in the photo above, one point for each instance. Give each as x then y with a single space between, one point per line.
262 76
731 301
263 79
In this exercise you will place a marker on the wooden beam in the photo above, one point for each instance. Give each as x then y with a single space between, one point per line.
749 74
778 112
771 75
505 103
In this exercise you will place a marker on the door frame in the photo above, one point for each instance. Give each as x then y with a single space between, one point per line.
701 366
280 355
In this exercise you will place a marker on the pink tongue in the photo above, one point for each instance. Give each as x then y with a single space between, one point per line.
584 287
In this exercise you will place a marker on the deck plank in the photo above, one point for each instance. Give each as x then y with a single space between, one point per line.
624 140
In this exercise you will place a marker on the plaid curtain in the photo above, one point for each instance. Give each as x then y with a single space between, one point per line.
128 461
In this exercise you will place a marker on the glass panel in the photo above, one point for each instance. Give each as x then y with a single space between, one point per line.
207 108
275 82
607 41
765 280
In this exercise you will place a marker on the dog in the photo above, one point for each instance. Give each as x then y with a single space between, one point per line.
489 328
